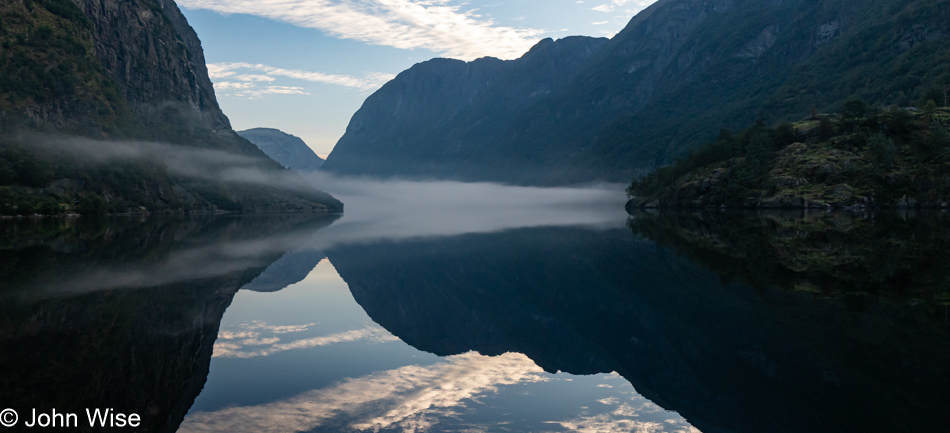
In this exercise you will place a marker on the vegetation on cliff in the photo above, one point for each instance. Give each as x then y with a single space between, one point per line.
132 74
862 157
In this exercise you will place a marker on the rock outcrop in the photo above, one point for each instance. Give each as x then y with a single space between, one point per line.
150 50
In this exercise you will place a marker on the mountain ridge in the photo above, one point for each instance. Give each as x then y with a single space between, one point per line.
665 84
420 107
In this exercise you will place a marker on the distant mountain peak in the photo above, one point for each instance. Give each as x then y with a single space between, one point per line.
289 150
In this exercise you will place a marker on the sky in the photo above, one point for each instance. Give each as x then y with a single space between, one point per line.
305 66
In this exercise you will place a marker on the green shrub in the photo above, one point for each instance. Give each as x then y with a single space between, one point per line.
882 150
854 108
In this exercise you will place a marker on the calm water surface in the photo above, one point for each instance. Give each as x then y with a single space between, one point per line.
588 321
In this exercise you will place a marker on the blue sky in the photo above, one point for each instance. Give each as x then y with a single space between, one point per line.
305 66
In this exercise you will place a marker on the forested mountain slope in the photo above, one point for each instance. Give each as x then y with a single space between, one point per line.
679 71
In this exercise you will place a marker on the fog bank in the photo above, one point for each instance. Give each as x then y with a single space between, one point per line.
397 209
182 161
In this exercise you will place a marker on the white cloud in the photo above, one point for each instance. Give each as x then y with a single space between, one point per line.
638 5
253 92
405 399
247 87
435 25
369 81
255 77
228 85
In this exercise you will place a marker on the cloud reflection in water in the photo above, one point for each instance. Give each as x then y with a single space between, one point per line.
407 398
249 340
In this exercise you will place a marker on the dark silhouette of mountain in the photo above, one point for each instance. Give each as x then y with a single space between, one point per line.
727 357
430 120
124 314
290 151
127 72
292 268
667 83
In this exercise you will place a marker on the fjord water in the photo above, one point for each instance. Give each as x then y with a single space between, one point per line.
583 321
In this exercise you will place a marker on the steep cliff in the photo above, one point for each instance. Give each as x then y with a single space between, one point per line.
118 70
679 71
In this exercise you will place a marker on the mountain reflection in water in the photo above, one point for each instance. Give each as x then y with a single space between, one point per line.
675 322
123 313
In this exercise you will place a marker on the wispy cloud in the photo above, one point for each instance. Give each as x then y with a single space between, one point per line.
253 80
635 6
239 71
437 25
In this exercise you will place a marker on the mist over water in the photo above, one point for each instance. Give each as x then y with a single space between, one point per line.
376 210
398 209
390 208
206 164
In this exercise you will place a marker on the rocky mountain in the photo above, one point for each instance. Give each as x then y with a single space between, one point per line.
119 72
679 71
290 151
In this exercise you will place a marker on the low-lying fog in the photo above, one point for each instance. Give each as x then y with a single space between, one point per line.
395 209
375 211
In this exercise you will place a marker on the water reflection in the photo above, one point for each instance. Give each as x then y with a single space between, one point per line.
50 258
726 356
123 313
361 378
673 323
850 255
405 397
